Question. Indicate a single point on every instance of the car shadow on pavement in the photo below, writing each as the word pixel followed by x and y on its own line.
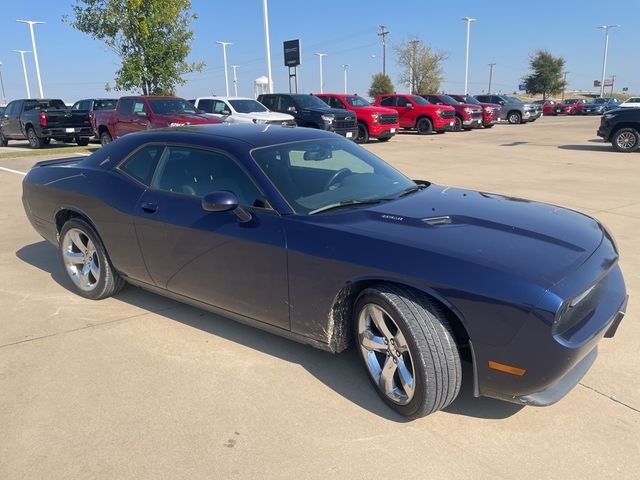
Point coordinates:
pixel 605 147
pixel 342 373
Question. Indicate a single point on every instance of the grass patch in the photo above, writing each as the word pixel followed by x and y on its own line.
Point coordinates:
pixel 47 151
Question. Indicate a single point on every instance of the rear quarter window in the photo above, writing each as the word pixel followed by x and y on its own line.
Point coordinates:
pixel 142 164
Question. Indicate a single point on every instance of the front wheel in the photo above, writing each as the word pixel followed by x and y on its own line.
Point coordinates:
pixel 4 141
pixel 626 140
pixel 86 263
pixel 489 125
pixel 515 118
pixel 408 349
pixel 105 138
pixel 34 140
pixel 82 141
pixel 384 139
pixel 424 126
pixel 457 126
pixel 363 133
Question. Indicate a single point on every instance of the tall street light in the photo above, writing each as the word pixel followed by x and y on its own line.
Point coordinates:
pixel 265 16
pixel 606 48
pixel 491 65
pixel 24 69
pixel 345 66
pixel 466 57
pixel 235 79
pixel 4 97
pixel 224 56
pixel 321 56
pixel 31 23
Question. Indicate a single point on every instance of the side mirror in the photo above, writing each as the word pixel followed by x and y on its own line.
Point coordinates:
pixel 141 114
pixel 226 112
pixel 409 105
pixel 502 102
pixel 221 201
pixel 291 109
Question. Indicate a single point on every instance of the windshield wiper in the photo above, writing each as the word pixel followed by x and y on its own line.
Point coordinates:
pixel 345 203
pixel 406 191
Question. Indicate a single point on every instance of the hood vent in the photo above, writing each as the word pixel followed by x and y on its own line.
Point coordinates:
pixel 436 221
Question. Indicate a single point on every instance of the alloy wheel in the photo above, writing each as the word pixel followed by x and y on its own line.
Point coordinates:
pixel 626 140
pixel 81 260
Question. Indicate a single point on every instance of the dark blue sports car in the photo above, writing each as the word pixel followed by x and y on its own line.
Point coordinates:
pixel 307 235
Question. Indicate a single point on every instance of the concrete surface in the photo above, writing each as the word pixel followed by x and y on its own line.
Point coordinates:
pixel 138 386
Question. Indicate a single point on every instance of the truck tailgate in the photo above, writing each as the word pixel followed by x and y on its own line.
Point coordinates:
pixel 67 118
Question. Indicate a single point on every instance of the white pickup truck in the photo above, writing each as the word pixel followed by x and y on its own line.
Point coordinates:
pixel 241 110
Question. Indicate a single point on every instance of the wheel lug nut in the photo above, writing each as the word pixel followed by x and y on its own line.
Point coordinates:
pixel 395 360
pixel 398 353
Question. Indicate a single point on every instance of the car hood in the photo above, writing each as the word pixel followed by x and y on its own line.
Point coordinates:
pixel 469 105
pixel 533 240
pixel 190 118
pixel 374 109
pixel 268 116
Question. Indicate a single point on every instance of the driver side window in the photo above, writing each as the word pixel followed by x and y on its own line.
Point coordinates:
pixel 220 107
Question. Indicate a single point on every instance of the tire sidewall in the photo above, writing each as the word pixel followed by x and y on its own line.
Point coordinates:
pixel 34 141
pixel 424 126
pixel 514 118
pixel 105 138
pixel 614 140
pixel 363 133
pixel 458 125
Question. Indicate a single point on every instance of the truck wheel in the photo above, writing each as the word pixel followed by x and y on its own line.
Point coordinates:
pixel 82 141
pixel 384 139
pixel 4 141
pixel 626 140
pixel 514 118
pixel 408 348
pixel 424 126
pixel 489 126
pixel 34 140
pixel 457 126
pixel 105 138
pixel 363 133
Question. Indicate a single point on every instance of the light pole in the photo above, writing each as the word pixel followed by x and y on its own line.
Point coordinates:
pixel 321 56
pixel 235 79
pixel 466 57
pixel 383 34
pixel 265 16
pixel 491 65
pixel 24 69
pixel 606 48
pixel 564 87
pixel 4 97
pixel 345 66
pixel 31 23
pixel 224 56
pixel 613 80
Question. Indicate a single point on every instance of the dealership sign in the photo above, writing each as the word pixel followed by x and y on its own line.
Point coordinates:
pixel 292 53
pixel 607 83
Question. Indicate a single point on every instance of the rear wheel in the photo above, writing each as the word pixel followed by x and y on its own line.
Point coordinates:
pixel 424 126
pixel 105 138
pixel 408 349
pixel 4 141
pixel 34 140
pixel 82 141
pixel 514 118
pixel 86 263
pixel 626 140
pixel 363 133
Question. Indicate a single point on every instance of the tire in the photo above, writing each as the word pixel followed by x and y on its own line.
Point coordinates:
pixel 489 126
pixel 4 141
pixel 415 335
pixel 424 126
pixel 457 126
pixel 82 141
pixel 85 261
pixel 363 133
pixel 46 141
pixel 384 139
pixel 514 118
pixel 105 138
pixel 34 140
pixel 626 140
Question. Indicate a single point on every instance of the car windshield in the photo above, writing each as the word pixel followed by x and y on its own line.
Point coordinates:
pixel 571 101
pixel 419 100
pixel 309 101
pixel 357 101
pixel 44 105
pixel 470 99
pixel 106 104
pixel 247 106
pixel 513 99
pixel 448 100
pixel 601 100
pixel 171 106
pixel 327 173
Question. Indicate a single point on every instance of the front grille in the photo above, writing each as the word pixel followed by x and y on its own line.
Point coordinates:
pixel 344 124
pixel 495 110
pixel 448 114
pixel 388 119
pixel 476 114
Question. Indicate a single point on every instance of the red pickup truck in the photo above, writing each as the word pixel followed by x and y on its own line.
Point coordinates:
pixel 415 112
pixel 490 111
pixel 377 122
pixel 133 114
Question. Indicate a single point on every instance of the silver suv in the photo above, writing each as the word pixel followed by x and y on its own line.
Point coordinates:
pixel 513 109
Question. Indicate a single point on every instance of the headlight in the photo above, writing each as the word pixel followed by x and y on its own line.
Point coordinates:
pixel 439 112
pixel 609 116
pixel 375 116
pixel 487 109
pixel 468 110
pixel 259 121
pixel 328 118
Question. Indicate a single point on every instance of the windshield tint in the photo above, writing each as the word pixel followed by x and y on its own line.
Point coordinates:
pixel 309 101
pixel 247 106
pixel 357 101
pixel 44 105
pixel 513 99
pixel 171 106
pixel 107 104
pixel 316 173
pixel 471 100
pixel 448 100
pixel 418 100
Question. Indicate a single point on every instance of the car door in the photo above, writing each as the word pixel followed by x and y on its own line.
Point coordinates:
pixel 213 257
pixel 222 110
pixel 139 119
pixel 11 126
pixel 391 101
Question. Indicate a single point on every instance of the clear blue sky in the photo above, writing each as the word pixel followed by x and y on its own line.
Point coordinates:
pixel 74 66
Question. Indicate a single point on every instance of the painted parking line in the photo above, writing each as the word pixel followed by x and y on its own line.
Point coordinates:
pixel 12 171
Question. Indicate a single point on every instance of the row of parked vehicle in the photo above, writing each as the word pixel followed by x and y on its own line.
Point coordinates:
pixel 580 106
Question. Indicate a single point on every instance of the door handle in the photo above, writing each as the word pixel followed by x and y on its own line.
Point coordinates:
pixel 149 207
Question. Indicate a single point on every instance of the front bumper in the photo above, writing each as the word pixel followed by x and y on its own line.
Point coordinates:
pixel 383 131
pixel 444 125
pixel 472 123
pixel 350 133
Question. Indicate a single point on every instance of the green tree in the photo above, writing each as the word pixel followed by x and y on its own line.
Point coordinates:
pixel 151 37
pixel 421 66
pixel 546 77
pixel 380 84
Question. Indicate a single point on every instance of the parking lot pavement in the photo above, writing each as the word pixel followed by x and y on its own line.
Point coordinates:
pixel 138 386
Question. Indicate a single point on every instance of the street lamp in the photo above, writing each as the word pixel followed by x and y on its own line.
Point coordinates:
pixel 224 56
pixel 466 57
pixel 235 79
pixel 265 16
pixel 606 48
pixel 31 23
pixel 24 69
pixel 321 56
pixel 4 97
pixel 491 65
pixel 345 66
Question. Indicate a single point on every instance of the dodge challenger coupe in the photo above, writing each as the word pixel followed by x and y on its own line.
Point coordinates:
pixel 305 234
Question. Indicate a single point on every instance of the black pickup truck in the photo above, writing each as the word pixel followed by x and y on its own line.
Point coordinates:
pixel 40 120
pixel 621 127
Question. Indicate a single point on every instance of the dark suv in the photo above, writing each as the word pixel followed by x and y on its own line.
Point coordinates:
pixel 310 111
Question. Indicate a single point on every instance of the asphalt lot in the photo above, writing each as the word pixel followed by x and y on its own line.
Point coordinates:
pixel 138 386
